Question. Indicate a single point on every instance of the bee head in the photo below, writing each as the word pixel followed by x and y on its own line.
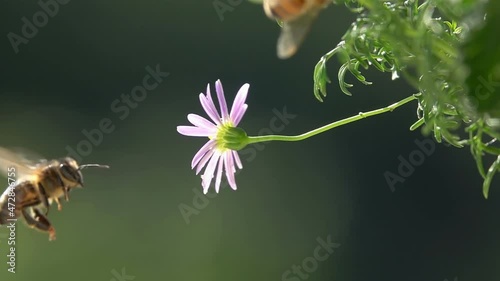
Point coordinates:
pixel 71 171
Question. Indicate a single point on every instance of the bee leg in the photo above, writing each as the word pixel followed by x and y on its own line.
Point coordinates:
pixel 44 199
pixel 45 221
pixel 66 193
pixel 39 222
pixel 59 206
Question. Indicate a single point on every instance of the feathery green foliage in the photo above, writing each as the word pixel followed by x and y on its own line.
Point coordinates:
pixel 447 51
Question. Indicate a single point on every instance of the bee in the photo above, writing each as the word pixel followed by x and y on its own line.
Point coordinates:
pixel 34 186
pixel 297 17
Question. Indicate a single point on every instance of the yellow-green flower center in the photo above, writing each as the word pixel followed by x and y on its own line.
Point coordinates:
pixel 230 137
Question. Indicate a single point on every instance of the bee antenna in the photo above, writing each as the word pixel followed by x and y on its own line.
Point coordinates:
pixel 93 165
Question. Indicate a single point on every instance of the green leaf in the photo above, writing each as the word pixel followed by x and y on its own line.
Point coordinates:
pixel 489 176
pixel 417 124
pixel 437 133
pixel 320 79
pixel 343 85
pixel 320 75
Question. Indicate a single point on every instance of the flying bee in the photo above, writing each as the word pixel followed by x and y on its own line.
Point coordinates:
pixel 297 17
pixel 36 186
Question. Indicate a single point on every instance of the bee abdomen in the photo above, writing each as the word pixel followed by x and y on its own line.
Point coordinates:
pixel 4 215
pixel 287 9
pixel 4 208
pixel 25 195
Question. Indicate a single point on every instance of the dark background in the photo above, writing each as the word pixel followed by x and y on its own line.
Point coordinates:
pixel 435 226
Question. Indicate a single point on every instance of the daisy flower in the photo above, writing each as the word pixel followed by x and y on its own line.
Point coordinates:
pixel 219 154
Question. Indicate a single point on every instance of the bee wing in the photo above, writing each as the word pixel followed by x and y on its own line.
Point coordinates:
pixel 293 33
pixel 23 166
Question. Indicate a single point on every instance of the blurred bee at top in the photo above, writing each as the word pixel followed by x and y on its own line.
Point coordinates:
pixel 297 17
pixel 33 186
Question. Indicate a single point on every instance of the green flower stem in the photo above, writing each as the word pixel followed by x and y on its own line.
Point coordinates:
pixel 335 124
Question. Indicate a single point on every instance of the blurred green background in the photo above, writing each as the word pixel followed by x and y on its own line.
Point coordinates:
pixel 435 225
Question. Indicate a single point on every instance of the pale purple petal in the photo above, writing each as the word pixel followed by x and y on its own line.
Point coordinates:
pixel 239 100
pixel 222 100
pixel 239 114
pixel 219 175
pixel 211 101
pixel 203 150
pixel 237 159
pixel 210 109
pixel 195 131
pixel 209 171
pixel 204 160
pixel 208 95
pixel 202 122
pixel 228 161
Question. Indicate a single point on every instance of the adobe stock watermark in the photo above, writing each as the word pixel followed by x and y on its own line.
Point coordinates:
pixel 48 9
pixel 121 276
pixel 224 6
pixel 310 264
pixel 200 201
pixel 121 108
pixel 424 149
